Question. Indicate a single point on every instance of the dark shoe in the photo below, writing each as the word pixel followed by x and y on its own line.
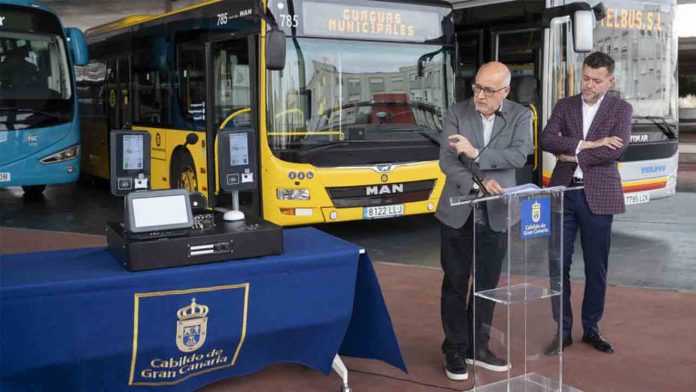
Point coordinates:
pixel 598 342
pixel 455 367
pixel 553 349
pixel 487 360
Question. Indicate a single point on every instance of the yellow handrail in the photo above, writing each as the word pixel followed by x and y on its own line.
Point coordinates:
pixel 233 115
pixel 535 133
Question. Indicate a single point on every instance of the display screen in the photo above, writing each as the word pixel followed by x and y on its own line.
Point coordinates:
pixel 160 211
pixel 133 152
pixel 239 149
pixel 369 22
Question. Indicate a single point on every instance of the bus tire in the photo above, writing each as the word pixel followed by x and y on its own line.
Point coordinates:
pixel 33 191
pixel 182 172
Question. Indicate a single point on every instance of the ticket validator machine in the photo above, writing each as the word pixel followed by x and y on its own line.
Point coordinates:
pixel 237 165
pixel 129 162
pixel 172 227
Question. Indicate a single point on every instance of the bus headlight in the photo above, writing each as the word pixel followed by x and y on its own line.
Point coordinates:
pixel 64 155
pixel 292 194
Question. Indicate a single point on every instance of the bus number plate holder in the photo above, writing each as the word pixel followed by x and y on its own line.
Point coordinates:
pixel 379 212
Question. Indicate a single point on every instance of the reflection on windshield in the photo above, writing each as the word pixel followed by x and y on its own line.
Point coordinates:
pixel 343 92
pixel 35 85
pixel 33 67
pixel 13 119
pixel 639 36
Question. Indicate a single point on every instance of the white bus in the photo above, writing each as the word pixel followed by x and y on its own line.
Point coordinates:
pixel 637 34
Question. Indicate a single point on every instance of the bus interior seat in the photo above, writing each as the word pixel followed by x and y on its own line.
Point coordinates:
pixel 524 90
pixel 462 88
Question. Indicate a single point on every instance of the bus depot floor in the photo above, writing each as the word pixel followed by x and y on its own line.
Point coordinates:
pixel 649 313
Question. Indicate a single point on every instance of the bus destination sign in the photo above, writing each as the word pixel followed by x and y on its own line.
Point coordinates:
pixel 361 22
pixel 628 19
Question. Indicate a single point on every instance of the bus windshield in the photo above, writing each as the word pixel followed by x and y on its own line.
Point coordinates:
pixel 639 36
pixel 35 85
pixel 345 95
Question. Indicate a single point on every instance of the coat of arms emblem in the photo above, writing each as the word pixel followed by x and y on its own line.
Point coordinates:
pixel 192 327
pixel 536 212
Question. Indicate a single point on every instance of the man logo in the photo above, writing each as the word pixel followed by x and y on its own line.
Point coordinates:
pixel 536 212
pixel 192 327
pixel 384 189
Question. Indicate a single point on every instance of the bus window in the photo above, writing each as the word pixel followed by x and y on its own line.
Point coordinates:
pixel 192 83
pixel 232 84
pixel 148 106
pixel 124 91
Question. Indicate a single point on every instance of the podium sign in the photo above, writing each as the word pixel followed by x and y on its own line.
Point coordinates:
pixel 518 289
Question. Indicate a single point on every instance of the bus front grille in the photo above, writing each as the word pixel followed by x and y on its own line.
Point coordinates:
pixel 381 194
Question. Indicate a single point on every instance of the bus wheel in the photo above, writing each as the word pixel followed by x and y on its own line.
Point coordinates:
pixel 182 173
pixel 33 191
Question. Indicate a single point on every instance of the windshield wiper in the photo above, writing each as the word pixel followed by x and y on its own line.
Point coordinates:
pixel 661 124
pixel 326 146
pixel 27 110
pixel 425 132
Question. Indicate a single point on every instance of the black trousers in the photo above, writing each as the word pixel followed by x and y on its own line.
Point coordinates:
pixel 595 239
pixel 457 301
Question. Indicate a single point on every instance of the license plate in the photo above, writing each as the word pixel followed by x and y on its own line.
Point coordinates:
pixel 383 211
pixel 637 198
pixel 5 176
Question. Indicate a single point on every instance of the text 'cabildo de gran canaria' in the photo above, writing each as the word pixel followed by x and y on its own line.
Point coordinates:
pixel 172 368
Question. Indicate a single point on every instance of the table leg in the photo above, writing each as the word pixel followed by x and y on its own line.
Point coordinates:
pixel 342 372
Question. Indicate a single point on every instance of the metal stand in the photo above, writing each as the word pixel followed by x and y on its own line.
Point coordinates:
pixel 340 368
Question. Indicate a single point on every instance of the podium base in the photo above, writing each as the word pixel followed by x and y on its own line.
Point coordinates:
pixel 530 382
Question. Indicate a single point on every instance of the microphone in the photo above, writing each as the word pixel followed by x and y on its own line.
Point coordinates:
pixel 475 171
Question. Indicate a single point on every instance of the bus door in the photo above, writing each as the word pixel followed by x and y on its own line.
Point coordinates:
pixel 470 58
pixel 232 94
pixel 521 51
pixel 117 107
pixel 118 93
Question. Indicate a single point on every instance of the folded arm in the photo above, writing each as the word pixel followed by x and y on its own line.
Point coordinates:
pixel 552 139
pixel 608 153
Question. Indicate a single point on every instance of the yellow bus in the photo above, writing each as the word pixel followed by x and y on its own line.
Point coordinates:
pixel 347 125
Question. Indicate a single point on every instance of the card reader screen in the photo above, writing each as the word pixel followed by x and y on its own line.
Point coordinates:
pixel 239 149
pixel 159 211
pixel 133 152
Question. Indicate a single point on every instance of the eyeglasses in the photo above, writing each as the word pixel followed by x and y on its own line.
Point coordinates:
pixel 487 91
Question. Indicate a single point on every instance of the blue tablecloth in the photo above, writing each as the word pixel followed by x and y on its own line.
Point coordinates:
pixel 76 320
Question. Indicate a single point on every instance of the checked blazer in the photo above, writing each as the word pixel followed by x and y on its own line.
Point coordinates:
pixel 562 134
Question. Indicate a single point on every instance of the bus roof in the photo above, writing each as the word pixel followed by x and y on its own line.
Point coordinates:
pixel 140 19
pixel 137 20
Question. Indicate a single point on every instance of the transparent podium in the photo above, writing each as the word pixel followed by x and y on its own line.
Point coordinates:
pixel 517 286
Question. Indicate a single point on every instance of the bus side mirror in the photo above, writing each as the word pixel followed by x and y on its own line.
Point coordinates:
pixel 78 46
pixel 583 26
pixel 275 49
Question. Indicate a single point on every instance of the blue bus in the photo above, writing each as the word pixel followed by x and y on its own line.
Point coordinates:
pixel 39 122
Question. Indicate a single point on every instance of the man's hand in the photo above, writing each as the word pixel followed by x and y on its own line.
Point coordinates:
pixel 462 146
pixel 613 142
pixel 493 187
pixel 567 158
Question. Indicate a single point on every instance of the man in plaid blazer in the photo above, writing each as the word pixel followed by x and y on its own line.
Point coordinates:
pixel 587 133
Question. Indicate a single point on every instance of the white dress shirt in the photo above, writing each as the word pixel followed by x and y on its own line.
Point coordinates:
pixel 487 128
pixel 487 122
pixel 588 115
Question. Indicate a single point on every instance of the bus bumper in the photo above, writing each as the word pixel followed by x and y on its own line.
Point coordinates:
pixel 31 171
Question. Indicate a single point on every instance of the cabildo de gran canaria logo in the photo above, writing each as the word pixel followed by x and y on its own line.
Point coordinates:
pixel 535 220
pixel 191 327
pixel 184 333
pixel 536 212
